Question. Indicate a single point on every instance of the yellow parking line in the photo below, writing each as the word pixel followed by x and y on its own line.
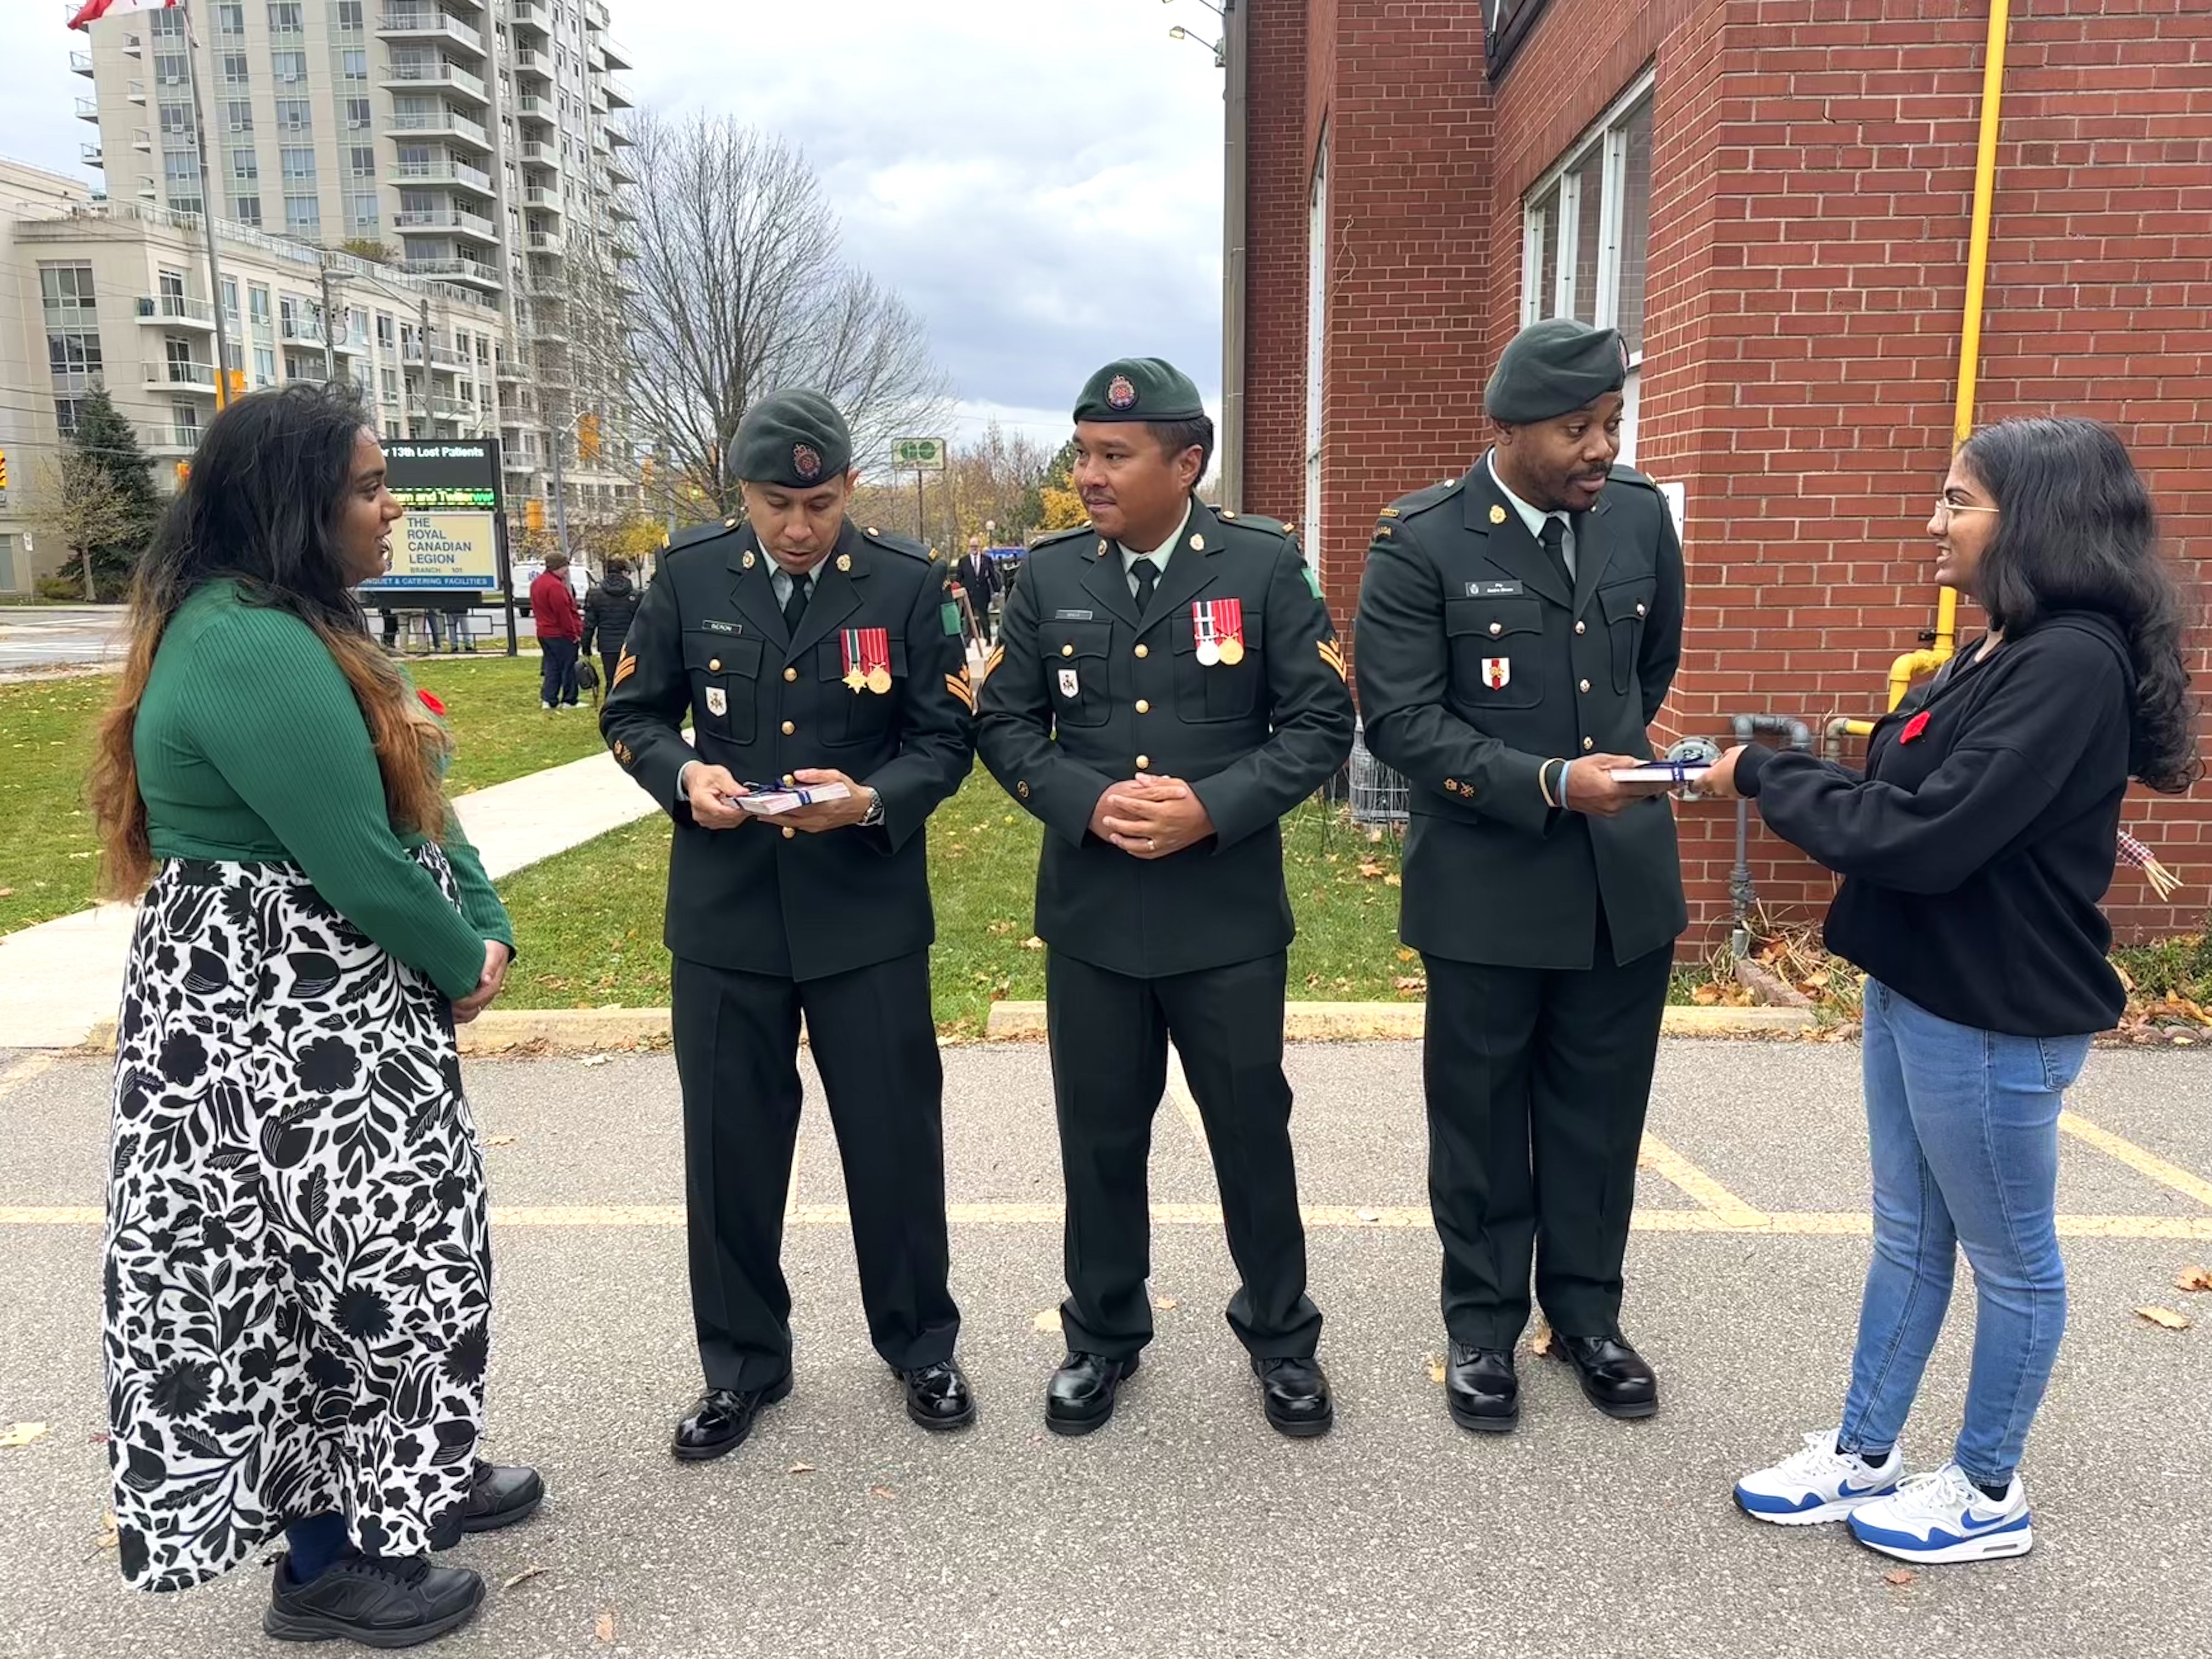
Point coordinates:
pixel 1664 1161
pixel 2142 1162
pixel 1185 1102
pixel 1742 1221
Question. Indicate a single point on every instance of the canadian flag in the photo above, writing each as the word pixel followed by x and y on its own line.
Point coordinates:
pixel 92 10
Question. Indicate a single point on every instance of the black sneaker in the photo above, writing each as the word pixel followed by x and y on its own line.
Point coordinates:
pixel 380 1602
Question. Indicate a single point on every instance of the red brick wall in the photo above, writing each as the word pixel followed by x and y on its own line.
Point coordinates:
pixel 1278 166
pixel 1812 188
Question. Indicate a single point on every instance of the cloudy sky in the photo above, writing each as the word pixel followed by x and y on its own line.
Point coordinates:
pixel 1040 179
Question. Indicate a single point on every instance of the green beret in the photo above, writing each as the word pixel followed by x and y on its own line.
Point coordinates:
pixel 796 438
pixel 1552 368
pixel 1139 389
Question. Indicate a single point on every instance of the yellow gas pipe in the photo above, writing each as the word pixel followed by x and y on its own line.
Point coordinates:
pixel 1914 664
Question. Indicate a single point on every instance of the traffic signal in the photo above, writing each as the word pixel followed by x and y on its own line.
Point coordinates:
pixel 235 378
pixel 3 469
pixel 533 517
pixel 587 438
pixel 184 473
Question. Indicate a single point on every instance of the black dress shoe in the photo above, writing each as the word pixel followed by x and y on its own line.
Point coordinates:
pixel 380 1601
pixel 1482 1390
pixel 1295 1392
pixel 1080 1396
pixel 1614 1375
pixel 938 1396
pixel 723 1419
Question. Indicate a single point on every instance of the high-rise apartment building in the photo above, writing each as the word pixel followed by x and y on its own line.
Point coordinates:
pixel 477 147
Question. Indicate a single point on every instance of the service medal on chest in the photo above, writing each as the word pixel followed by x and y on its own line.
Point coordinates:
pixel 1218 626
pixel 868 653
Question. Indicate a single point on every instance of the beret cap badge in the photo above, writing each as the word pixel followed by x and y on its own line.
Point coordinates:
pixel 806 461
pixel 1121 394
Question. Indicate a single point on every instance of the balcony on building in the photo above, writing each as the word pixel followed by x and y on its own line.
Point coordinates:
pixel 440 123
pixel 88 109
pixel 440 74
pixel 175 310
pixel 133 45
pixel 142 140
pixel 535 65
pixel 169 440
pixel 182 377
pixel 80 64
pixel 428 23
pixel 616 55
pixel 547 241
pixel 530 108
pixel 619 171
pixel 456 220
pixel 445 170
pixel 136 92
pixel 621 211
pixel 618 93
pixel 443 359
pixel 472 272
pixel 545 331
pixel 542 156
pixel 530 17
pixel 543 200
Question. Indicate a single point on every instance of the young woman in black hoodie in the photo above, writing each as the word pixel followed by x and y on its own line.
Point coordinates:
pixel 1975 852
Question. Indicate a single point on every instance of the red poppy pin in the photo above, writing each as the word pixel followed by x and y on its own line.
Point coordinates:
pixel 431 704
pixel 1914 727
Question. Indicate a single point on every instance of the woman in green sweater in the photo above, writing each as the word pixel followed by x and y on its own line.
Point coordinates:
pixel 298 1283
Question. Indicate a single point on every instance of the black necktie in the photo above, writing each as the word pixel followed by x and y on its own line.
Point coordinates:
pixel 1555 547
pixel 1148 578
pixel 794 608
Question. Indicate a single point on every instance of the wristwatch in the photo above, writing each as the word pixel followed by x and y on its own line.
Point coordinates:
pixel 875 810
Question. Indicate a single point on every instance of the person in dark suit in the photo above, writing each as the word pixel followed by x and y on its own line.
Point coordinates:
pixel 1167 686
pixel 978 576
pixel 806 651
pixel 1518 630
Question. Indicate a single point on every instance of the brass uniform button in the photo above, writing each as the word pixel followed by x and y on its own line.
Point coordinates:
pixel 1144 651
pixel 1582 628
pixel 1639 610
pixel 1589 744
pixel 1144 707
pixel 788 728
pixel 790 674
pixel 1496 628
pixel 1144 763
pixel 788 832
pixel 1022 789
pixel 790 780
pixel 1066 650
pixel 714 664
pixel 1585 688
pixel 1451 785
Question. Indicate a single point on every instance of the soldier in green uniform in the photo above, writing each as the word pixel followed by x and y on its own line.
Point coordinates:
pixel 1167 686
pixel 804 651
pixel 1518 629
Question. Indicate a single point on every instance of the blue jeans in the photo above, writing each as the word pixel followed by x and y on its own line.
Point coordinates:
pixel 557 675
pixel 1963 1126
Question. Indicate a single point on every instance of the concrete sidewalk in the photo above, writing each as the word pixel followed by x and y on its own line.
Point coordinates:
pixel 65 976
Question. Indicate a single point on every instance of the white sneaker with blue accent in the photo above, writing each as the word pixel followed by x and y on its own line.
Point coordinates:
pixel 1818 1483
pixel 1944 1516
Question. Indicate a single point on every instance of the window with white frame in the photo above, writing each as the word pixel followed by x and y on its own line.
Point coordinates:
pixel 1316 343
pixel 1586 246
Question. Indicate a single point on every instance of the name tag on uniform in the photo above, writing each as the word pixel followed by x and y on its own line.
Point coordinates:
pixel 714 626
pixel 1494 590
pixel 1074 616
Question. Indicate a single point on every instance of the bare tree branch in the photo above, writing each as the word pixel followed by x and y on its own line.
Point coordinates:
pixel 77 502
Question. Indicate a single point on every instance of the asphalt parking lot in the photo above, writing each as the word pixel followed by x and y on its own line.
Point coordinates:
pixel 1187 1526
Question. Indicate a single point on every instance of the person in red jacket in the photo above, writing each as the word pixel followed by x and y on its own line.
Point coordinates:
pixel 560 632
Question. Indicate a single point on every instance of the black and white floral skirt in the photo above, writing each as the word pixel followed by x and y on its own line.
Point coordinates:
pixel 298 1285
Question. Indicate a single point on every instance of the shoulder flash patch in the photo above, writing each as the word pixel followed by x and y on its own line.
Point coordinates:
pixel 1389 512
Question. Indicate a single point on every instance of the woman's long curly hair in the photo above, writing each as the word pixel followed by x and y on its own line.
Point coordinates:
pixel 2076 531
pixel 262 507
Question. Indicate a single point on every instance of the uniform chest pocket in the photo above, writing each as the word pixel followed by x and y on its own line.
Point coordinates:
pixel 844 715
pixel 1627 607
pixel 725 684
pixel 1496 646
pixel 1073 657
pixel 1224 690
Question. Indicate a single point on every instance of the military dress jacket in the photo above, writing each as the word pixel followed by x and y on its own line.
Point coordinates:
pixel 709 644
pixel 1083 692
pixel 1477 665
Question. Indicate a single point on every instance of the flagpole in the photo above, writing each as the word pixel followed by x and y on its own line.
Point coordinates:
pixel 208 183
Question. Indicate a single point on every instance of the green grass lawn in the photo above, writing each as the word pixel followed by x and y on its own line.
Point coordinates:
pixel 589 924
pixel 47 849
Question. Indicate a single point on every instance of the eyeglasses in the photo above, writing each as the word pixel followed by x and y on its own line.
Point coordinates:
pixel 1945 508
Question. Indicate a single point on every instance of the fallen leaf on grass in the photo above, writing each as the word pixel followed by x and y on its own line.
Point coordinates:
pixel 1407 955
pixel 1369 869
pixel 110 1538
pixel 1048 1321
pixel 524 1576
pixel 1409 985
pixel 1032 943
pixel 885 1492
pixel 1166 1304
pixel 1901 1576
pixel 1393 881
pixel 20 1434
pixel 1435 1371
pixel 2166 1318
pixel 603 1627
pixel 800 1468
pixel 7 892
pixel 500 1140
pixel 2193 1278
pixel 1540 1343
